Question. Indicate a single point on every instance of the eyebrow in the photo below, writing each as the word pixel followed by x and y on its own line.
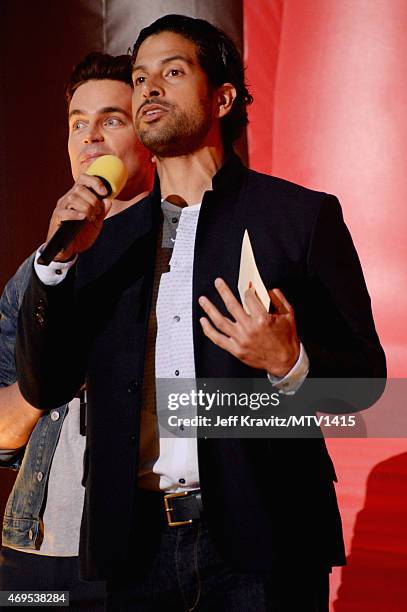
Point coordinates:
pixel 102 111
pixel 183 58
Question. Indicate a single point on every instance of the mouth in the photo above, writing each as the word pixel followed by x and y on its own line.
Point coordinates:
pixel 152 112
pixel 87 159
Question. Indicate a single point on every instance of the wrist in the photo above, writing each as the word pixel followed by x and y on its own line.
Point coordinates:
pixel 287 362
pixel 64 257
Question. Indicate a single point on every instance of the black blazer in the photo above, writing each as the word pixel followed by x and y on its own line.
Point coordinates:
pixel 267 500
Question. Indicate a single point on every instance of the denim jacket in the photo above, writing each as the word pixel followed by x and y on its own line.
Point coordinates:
pixel 21 524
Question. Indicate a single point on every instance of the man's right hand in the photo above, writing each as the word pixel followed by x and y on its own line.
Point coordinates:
pixel 79 204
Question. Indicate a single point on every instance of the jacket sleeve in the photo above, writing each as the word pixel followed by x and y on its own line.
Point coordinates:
pixel 10 302
pixel 346 343
pixel 9 305
pixel 8 323
pixel 49 352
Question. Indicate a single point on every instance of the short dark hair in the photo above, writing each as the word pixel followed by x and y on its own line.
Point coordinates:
pixel 218 57
pixel 98 66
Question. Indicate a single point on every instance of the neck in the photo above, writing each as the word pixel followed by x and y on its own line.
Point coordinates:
pixel 136 189
pixel 187 177
pixel 120 205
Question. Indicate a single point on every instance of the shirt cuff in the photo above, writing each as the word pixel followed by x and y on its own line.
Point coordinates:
pixel 55 272
pixel 293 380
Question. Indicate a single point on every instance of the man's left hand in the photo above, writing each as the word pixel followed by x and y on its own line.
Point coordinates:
pixel 259 339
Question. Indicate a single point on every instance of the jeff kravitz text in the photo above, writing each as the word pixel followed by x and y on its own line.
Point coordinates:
pixel 235 420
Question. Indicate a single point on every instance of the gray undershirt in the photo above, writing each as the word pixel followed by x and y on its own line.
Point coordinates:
pixel 64 502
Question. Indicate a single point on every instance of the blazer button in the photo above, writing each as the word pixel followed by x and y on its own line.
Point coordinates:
pixel 133 386
pixel 40 476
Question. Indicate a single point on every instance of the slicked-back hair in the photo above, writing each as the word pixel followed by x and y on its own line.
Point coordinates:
pixel 98 66
pixel 218 57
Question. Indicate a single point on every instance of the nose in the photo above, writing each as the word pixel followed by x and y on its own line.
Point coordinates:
pixel 152 87
pixel 93 134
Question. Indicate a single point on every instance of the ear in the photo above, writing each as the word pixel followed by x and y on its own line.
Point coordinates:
pixel 225 97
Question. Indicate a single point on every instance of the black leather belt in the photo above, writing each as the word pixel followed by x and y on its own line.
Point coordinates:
pixel 183 508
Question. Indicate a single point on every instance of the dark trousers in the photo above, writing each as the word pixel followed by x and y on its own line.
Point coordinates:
pixel 179 569
pixel 32 572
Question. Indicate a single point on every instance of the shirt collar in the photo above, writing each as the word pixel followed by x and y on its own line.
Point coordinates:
pixel 228 178
pixel 231 175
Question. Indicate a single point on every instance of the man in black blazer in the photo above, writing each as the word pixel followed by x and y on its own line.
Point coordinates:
pixel 257 525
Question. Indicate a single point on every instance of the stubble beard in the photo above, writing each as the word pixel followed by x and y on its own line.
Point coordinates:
pixel 181 133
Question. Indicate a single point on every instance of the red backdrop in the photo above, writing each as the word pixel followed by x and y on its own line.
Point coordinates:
pixel 328 78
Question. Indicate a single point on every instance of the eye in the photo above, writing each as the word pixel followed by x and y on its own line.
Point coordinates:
pixel 139 80
pixel 77 125
pixel 174 72
pixel 113 122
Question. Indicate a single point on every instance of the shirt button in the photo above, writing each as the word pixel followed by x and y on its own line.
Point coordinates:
pixel 177 318
pixel 174 220
pixel 176 372
pixel 30 534
pixel 40 476
pixel 58 271
pixel 181 481
pixel 54 415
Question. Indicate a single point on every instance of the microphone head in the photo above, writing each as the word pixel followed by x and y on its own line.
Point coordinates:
pixel 111 169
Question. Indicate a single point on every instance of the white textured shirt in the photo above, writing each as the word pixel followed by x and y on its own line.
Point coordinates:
pixel 177 464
